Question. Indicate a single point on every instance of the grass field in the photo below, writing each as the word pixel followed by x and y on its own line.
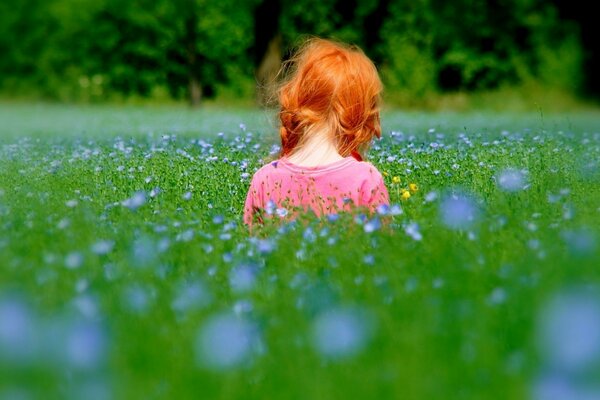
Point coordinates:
pixel 125 270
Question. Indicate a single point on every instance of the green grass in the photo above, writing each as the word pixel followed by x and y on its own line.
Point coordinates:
pixel 456 314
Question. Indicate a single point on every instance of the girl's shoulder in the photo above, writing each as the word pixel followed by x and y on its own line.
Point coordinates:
pixel 365 167
pixel 270 167
pixel 266 170
pixel 349 167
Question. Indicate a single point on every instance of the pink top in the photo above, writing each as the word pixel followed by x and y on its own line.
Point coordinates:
pixel 281 186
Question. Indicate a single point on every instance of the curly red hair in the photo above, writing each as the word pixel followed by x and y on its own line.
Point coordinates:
pixel 330 86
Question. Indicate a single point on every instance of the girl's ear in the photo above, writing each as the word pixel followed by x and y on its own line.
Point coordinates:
pixel 356 155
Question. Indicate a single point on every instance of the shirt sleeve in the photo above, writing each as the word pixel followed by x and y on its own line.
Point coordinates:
pixel 374 192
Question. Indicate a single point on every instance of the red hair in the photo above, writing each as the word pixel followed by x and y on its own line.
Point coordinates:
pixel 331 86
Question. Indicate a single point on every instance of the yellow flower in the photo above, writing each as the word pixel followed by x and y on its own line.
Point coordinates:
pixel 413 188
pixel 405 194
pixel 396 179
pixel 385 173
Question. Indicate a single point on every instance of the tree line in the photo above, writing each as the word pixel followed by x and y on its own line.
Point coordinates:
pixel 97 50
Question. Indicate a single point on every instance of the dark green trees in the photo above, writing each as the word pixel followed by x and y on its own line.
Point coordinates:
pixel 96 50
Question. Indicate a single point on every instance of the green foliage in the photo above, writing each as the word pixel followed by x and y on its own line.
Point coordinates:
pixel 224 31
pixel 26 39
pixel 341 20
pixel 560 65
pixel 122 49
pixel 95 50
pixel 454 314
pixel 409 67
pixel 409 73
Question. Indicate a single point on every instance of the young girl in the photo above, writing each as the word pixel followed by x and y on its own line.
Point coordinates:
pixel 329 113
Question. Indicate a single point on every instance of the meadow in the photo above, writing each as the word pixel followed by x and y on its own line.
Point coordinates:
pixel 126 271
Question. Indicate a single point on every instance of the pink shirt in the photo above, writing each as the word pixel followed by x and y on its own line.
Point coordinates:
pixel 281 186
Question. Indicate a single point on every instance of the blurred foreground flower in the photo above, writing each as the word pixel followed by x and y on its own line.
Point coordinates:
pixel 16 331
pixel 226 341
pixel 413 231
pixel 342 332
pixel 243 277
pixel 581 242
pixel 458 211
pixel 512 180
pixel 569 330
pixel 59 341
pixel 137 200
pixel 569 342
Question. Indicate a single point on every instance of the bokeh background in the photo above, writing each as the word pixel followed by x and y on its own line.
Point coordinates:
pixel 126 271
pixel 431 53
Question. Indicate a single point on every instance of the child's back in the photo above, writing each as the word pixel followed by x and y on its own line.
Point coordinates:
pixel 326 189
pixel 329 114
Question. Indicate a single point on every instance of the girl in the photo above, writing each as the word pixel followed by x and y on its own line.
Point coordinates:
pixel 329 113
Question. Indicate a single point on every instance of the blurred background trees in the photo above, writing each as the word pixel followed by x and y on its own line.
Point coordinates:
pixel 108 50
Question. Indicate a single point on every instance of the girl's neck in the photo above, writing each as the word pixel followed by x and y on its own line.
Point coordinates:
pixel 317 150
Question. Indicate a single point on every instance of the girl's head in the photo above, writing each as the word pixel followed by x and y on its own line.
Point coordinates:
pixel 332 88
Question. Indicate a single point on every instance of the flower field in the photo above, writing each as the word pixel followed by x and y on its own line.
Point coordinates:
pixel 126 271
